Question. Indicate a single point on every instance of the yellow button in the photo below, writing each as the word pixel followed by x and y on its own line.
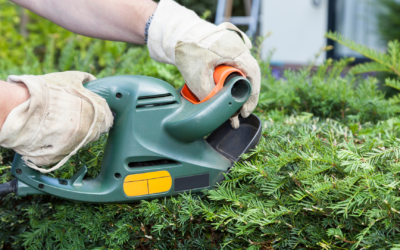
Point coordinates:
pixel 136 188
pixel 147 183
pixel 159 185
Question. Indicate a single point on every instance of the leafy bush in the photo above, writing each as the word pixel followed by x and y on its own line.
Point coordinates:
pixel 326 94
pixel 324 176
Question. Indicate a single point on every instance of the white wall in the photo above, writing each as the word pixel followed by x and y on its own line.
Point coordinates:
pixel 298 28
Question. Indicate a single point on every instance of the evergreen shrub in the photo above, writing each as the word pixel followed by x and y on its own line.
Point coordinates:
pixel 324 176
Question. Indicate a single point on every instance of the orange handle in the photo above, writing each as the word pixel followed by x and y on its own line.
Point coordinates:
pixel 221 72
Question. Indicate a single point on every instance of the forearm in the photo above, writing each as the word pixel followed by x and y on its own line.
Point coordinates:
pixel 116 20
pixel 11 96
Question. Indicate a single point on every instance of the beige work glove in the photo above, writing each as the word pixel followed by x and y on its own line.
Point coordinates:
pixel 60 117
pixel 178 36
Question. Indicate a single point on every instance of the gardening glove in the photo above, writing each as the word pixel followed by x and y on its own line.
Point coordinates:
pixel 60 117
pixel 178 36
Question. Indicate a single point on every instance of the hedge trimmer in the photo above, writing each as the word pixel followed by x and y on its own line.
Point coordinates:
pixel 164 142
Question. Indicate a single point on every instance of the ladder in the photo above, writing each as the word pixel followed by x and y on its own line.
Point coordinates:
pixel 252 8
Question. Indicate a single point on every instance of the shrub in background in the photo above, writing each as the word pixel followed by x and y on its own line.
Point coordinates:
pixel 381 62
pixel 50 48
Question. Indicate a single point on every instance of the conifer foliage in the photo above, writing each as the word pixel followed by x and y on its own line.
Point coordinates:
pixel 309 184
pixel 381 62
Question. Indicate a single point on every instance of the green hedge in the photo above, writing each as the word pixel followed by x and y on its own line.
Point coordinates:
pixel 324 176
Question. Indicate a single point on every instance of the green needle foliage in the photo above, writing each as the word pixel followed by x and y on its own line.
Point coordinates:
pixel 324 176
pixel 386 62
pixel 381 62
pixel 309 184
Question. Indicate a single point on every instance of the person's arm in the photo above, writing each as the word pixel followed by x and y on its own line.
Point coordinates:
pixel 11 96
pixel 122 20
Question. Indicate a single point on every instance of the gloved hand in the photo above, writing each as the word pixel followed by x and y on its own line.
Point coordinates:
pixel 60 117
pixel 178 36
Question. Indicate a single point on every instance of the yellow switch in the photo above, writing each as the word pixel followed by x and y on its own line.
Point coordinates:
pixel 147 183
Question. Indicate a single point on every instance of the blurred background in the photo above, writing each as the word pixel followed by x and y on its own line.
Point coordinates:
pixel 297 27
pixel 293 31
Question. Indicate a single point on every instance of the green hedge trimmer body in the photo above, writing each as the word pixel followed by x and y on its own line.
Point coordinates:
pixel 157 146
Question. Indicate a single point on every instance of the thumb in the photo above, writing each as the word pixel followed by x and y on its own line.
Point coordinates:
pixel 235 121
pixel 249 106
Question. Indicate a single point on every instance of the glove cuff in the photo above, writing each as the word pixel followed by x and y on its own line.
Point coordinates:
pixel 21 125
pixel 54 120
